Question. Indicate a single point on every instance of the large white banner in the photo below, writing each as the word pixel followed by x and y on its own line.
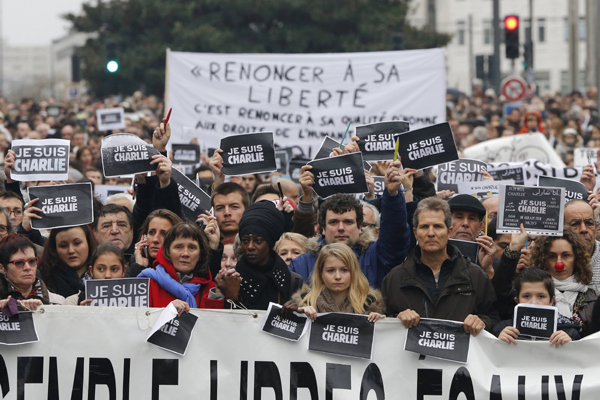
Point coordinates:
pixel 101 353
pixel 301 97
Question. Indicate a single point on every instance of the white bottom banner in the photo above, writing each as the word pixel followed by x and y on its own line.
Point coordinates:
pixel 101 353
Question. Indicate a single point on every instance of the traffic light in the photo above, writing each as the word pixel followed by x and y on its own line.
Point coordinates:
pixel 511 36
pixel 112 63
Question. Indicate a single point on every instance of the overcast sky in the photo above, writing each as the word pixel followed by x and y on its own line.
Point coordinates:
pixel 35 22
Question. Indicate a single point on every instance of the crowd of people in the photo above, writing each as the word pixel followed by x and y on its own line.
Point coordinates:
pixel 272 240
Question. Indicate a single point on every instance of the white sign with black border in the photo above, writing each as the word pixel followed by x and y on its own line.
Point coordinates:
pixel 573 190
pixel 105 191
pixel 482 189
pixel 186 154
pixel 535 321
pixel 439 338
pixel 41 160
pixel 583 156
pixel 291 327
pixel 18 329
pixel 110 118
pixel 540 209
pixel 62 205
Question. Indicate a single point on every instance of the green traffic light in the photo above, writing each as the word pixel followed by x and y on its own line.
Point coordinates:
pixel 112 66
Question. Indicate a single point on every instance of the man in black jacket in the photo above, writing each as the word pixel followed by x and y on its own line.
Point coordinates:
pixel 436 281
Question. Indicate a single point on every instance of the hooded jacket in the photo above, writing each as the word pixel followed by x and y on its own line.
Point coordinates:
pixel 539 122
pixel 376 257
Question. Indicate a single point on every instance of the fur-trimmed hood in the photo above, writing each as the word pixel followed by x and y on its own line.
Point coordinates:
pixel 374 302
pixel 366 238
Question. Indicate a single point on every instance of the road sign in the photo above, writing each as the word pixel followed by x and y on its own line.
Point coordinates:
pixel 514 88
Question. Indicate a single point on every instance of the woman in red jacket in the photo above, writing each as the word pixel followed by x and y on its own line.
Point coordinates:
pixel 181 271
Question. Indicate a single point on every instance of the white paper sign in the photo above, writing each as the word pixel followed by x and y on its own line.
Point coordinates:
pixel 110 118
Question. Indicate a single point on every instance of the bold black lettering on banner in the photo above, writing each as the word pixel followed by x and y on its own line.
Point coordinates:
pixel 29 370
pixel 266 375
pixel 243 380
pixel 378 141
pixel 342 174
pixel 429 383
pixel 463 170
pixel 521 388
pixel 53 380
pixel 496 388
pixel 372 380
pixel 77 392
pixel 164 372
pixel 214 380
pixel 338 376
pixel 63 205
pixel 101 373
pixel 560 389
pixel 302 375
pixel 126 378
pixel 248 154
pixel 4 382
pixel 461 383
pixel 427 146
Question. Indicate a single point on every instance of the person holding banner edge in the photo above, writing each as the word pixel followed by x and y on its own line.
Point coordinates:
pixel 436 281
pixel 340 220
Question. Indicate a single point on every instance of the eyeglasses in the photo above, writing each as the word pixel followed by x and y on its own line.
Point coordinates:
pixel 367 225
pixel 576 223
pixel 15 212
pixel 21 263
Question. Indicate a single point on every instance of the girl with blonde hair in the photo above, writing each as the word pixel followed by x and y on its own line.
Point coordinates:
pixel 338 285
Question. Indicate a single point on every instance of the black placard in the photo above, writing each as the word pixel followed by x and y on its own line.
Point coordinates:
pixel 326 148
pixel 573 190
pixel 282 161
pixel 439 338
pixel 127 292
pixel 248 154
pixel 463 170
pixel 296 165
pixel 18 329
pixel 535 321
pixel 126 154
pixel 289 327
pixel 540 209
pixel 41 160
pixel 342 334
pixel 504 174
pixel 186 154
pixel 62 205
pixel 379 185
pixel 342 174
pixel 427 146
pixel 194 201
pixel 175 335
pixel 378 141
pixel 467 248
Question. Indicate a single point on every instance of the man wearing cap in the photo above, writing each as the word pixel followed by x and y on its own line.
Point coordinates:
pixel 467 223
pixel 265 277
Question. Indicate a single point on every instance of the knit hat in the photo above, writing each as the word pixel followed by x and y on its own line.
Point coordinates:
pixel 467 203
pixel 262 219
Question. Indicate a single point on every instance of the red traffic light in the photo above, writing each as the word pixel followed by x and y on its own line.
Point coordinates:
pixel 511 23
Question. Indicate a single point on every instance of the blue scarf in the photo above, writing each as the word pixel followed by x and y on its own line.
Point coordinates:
pixel 185 292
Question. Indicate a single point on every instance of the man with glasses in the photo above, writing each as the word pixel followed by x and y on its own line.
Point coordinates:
pixel 14 206
pixel 579 219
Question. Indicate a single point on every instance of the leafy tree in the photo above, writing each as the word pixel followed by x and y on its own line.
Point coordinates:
pixel 144 29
